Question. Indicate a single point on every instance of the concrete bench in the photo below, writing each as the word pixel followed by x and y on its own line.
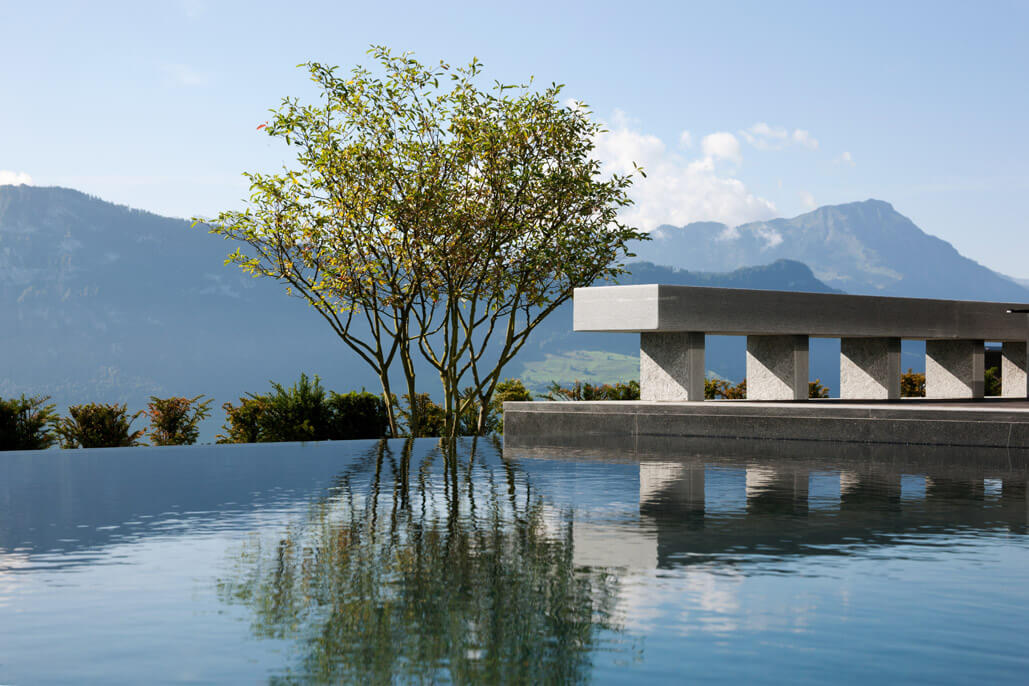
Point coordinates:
pixel 673 320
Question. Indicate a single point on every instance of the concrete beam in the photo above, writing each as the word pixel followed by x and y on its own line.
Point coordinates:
pixel 870 368
pixel 954 369
pixel 1012 370
pixel 671 366
pixel 777 367
pixel 737 311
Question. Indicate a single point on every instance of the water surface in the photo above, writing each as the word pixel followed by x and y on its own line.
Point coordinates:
pixel 401 561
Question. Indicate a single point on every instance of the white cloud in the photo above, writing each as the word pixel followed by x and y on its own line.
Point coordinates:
pixel 184 75
pixel 770 236
pixel 808 200
pixel 678 189
pixel 721 145
pixel 11 178
pixel 845 159
pixel 686 139
pixel 802 137
pixel 765 137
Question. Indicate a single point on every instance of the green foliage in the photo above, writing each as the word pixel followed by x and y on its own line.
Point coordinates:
pixel 243 421
pixel 173 421
pixel 298 413
pixel 473 423
pixel 912 384
pixel 815 389
pixel 26 423
pixel 97 425
pixel 356 415
pixel 720 388
pixel 448 218
pixel 432 419
pixel 586 391
pixel 992 381
pixel 304 412
pixel 590 366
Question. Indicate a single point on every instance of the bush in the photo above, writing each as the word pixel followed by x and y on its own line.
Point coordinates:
pixel 720 388
pixel 357 415
pixel 992 381
pixel 912 385
pixel 815 389
pixel 243 423
pixel 432 419
pixel 587 391
pixel 304 412
pixel 173 421
pixel 98 425
pixel 27 423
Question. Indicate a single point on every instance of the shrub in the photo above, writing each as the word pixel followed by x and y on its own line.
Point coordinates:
pixel 432 419
pixel 587 391
pixel 992 381
pixel 26 423
pixel 815 389
pixel 356 415
pixel 98 425
pixel 912 384
pixel 304 412
pixel 173 421
pixel 243 423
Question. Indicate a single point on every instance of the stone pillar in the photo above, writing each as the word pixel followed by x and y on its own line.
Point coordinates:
pixel 954 369
pixel 777 367
pixel 1012 370
pixel 870 368
pixel 672 366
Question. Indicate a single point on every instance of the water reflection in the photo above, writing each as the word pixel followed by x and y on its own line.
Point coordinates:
pixel 427 566
pixel 404 561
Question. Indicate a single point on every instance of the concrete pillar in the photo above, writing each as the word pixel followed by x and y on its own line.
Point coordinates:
pixel 672 366
pixel 1012 370
pixel 870 368
pixel 954 369
pixel 777 367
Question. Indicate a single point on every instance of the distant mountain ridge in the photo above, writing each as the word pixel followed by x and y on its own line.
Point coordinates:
pixel 860 247
pixel 100 302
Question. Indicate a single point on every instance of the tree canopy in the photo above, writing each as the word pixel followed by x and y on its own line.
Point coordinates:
pixel 426 215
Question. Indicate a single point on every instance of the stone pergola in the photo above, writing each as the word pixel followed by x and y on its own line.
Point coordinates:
pixel 672 322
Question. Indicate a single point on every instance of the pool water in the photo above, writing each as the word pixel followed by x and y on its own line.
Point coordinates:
pixel 402 561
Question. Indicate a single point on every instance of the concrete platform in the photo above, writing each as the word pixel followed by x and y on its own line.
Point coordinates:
pixel 991 428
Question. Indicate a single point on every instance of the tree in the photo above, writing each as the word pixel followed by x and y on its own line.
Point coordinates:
pixel 447 219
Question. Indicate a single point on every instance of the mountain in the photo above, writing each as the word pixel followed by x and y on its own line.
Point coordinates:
pixel 100 302
pixel 861 247
pixel 104 303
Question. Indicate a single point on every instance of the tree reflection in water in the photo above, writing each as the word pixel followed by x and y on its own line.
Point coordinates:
pixel 428 567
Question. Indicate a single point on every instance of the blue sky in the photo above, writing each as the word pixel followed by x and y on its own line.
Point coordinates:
pixel 787 105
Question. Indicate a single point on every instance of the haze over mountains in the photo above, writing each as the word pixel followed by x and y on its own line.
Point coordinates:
pixel 861 247
pixel 106 303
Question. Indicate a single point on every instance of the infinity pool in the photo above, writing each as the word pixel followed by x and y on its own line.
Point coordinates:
pixel 366 562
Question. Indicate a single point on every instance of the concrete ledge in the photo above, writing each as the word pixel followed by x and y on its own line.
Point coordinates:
pixel 720 426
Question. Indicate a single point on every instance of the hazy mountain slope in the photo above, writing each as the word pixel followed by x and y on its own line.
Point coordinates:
pixel 861 247
pixel 102 302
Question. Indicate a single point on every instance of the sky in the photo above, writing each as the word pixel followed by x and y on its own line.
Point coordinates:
pixel 738 111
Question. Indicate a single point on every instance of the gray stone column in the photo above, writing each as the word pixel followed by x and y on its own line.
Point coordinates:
pixel 777 367
pixel 1012 370
pixel 672 366
pixel 954 369
pixel 870 368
